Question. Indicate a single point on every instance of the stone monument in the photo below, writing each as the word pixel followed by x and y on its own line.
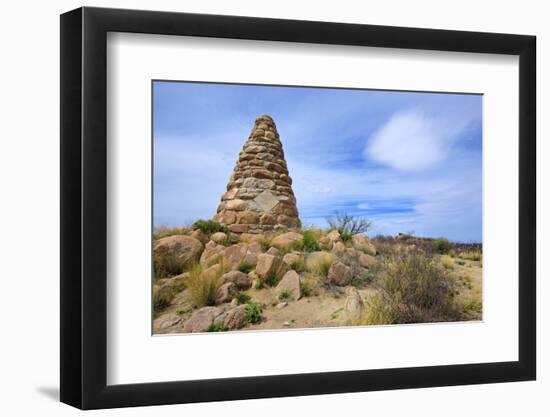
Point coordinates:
pixel 259 194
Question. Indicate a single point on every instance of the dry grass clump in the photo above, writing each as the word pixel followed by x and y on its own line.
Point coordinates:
pixel 166 265
pixel 309 286
pixel 320 265
pixel 204 283
pixel 447 262
pixel 164 231
pixel 470 255
pixel 412 288
pixel 299 265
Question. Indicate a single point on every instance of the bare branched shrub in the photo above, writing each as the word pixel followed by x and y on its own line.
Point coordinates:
pixel 348 225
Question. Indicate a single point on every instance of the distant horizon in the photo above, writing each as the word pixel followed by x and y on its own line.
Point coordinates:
pixel 407 161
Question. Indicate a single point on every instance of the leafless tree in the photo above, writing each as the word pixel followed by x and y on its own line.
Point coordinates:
pixel 349 224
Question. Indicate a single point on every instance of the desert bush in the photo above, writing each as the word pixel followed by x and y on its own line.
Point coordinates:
pixel 209 226
pixel 320 266
pixel 203 286
pixel 310 241
pixel 253 312
pixel 242 298
pixel 348 225
pixel 164 231
pixel 285 296
pixel 442 246
pixel 308 287
pixel 217 327
pixel 166 265
pixel 413 288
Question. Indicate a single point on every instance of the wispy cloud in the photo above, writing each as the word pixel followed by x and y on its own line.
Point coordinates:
pixel 413 141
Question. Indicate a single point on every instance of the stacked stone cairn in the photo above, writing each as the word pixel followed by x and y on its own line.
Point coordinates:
pixel 259 196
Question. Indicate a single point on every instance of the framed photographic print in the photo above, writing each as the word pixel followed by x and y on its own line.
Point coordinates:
pixel 291 208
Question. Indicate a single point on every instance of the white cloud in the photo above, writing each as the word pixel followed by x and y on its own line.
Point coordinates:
pixel 414 141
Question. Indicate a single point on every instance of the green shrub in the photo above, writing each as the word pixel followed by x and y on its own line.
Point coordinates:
pixel 285 296
pixel 245 267
pixel 209 226
pixel 310 241
pixel 442 246
pixel 308 287
pixel 217 327
pixel 253 312
pixel 242 298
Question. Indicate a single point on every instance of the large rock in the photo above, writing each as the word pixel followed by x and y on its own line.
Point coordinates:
pixel 268 266
pixel 339 274
pixel 291 258
pixel 219 237
pixel 166 320
pixel 202 319
pixel 290 284
pixel 334 236
pixel 235 318
pixel 233 255
pixel 366 261
pixel 184 250
pixel 353 306
pixel 212 254
pixel 363 244
pixel 226 293
pixel 288 241
pixel 325 243
pixel 240 279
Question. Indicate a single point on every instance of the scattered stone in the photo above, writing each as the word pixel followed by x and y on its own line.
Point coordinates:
pixel 363 244
pixel 226 293
pixel 290 283
pixel 353 306
pixel 202 319
pixel 240 279
pixel 286 324
pixel 281 305
pixel 219 237
pixel 339 274
pixel 287 240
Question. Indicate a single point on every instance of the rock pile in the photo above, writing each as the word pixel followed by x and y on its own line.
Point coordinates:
pixel 259 194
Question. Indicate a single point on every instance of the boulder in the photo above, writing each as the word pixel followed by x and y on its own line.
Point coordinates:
pixel 235 205
pixel 274 251
pixel 366 261
pixel 240 279
pixel 235 318
pixel 287 241
pixel 219 237
pixel 291 258
pixel 166 320
pixel 363 244
pixel 234 255
pixel 325 243
pixel 268 265
pixel 226 293
pixel 353 306
pixel 162 296
pixel 212 254
pixel 202 319
pixel 334 236
pixel 339 274
pixel 183 249
pixel 290 283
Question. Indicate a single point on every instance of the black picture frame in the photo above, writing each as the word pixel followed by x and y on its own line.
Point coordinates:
pixel 84 207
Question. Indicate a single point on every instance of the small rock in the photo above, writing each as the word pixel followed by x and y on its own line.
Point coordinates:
pixel 353 306
pixel 274 251
pixel 291 258
pixel 366 261
pixel 363 244
pixel 339 274
pixel 281 305
pixel 286 324
pixel 166 320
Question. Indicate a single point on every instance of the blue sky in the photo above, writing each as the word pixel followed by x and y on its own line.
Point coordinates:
pixel 408 161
